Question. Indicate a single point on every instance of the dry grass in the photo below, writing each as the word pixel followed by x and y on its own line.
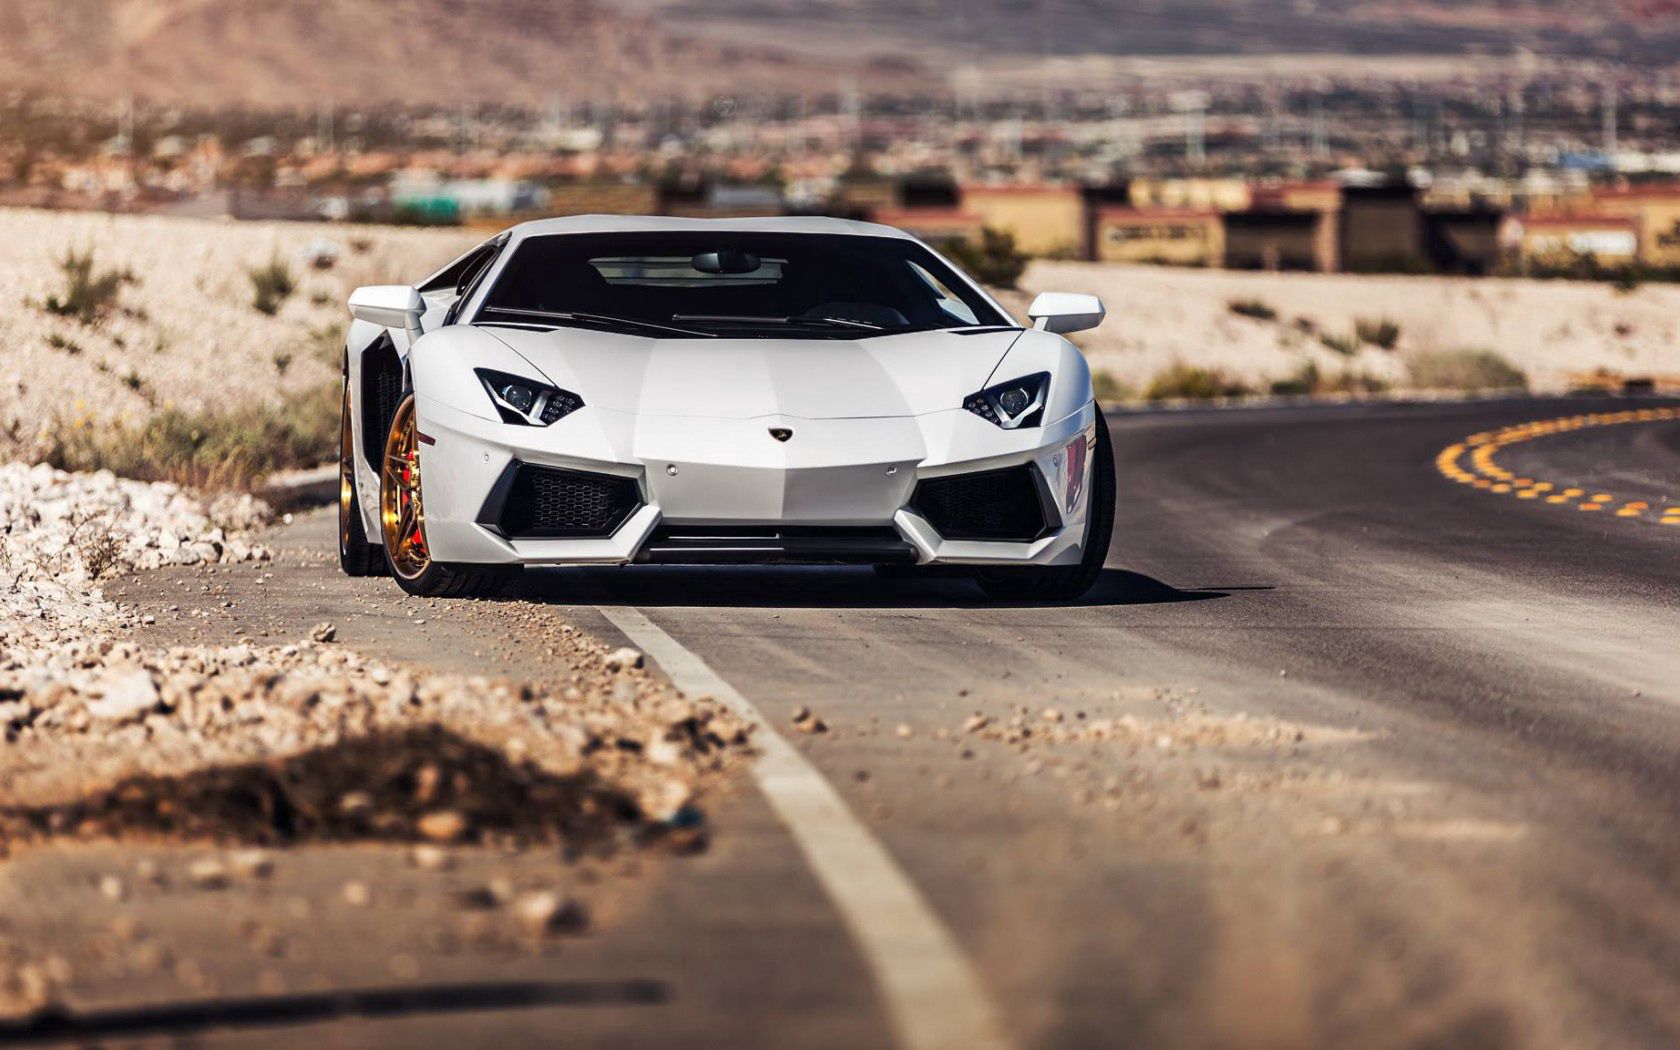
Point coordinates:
pixel 185 340
pixel 1549 330
pixel 205 450
pixel 1193 383
pixel 1467 370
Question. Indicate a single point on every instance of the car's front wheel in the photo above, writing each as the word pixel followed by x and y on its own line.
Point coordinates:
pixel 1065 583
pixel 402 519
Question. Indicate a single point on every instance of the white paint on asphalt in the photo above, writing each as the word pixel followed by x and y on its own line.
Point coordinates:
pixel 932 995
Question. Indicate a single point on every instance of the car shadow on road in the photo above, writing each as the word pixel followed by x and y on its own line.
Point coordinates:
pixel 816 587
pixel 186 1019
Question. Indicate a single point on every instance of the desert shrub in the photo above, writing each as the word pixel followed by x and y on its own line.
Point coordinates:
pixel 217 449
pixel 1379 332
pixel 994 261
pixel 96 543
pixel 1109 388
pixel 1192 382
pixel 1464 370
pixel 88 295
pixel 1346 345
pixel 271 285
pixel 1258 309
pixel 1310 379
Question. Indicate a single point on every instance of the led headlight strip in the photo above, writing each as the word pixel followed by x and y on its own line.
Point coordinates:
pixel 1015 404
pixel 526 402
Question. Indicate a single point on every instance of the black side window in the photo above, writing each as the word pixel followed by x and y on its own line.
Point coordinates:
pixel 471 275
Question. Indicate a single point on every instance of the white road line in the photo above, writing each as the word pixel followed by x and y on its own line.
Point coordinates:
pixel 931 994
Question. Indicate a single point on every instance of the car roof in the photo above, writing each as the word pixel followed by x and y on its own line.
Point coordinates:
pixel 671 224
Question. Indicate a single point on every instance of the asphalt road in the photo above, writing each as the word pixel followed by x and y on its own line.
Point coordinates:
pixel 1392 761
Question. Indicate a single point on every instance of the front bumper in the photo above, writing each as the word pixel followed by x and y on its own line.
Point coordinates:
pixel 724 490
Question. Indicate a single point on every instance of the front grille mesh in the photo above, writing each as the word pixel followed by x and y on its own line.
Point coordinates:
pixel 991 505
pixel 548 502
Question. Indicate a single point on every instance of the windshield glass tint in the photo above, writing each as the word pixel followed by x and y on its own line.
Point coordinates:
pixel 740 285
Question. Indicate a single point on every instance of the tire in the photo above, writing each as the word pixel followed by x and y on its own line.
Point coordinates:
pixel 356 556
pixel 402 523
pixel 1066 583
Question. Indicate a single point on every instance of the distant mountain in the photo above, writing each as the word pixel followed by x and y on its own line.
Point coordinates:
pixel 217 53
pixel 299 52
pixel 962 29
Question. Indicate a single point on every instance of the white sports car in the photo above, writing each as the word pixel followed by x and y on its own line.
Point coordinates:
pixel 604 390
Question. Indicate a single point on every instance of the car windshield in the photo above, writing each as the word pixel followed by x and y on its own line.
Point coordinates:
pixel 706 285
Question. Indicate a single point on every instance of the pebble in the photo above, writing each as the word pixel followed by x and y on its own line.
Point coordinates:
pixel 112 888
pixel 208 874
pixel 427 857
pixel 443 825
pixel 546 911
pixel 251 864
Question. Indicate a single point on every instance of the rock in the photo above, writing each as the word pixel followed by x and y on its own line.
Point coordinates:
pixel 443 825
pixel 806 721
pixel 974 723
pixel 357 894
pixel 112 888
pixel 546 911
pixel 904 731
pixel 126 696
pixel 355 803
pixel 623 659
pixel 208 874
pixel 427 857
pixel 251 864
pixel 323 632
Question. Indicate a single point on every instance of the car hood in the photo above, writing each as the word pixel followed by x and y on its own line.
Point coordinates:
pixel 895 375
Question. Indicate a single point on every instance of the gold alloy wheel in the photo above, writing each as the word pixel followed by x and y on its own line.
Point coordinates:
pixel 401 517
pixel 346 474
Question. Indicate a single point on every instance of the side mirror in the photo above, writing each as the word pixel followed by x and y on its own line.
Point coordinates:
pixel 388 306
pixel 1066 312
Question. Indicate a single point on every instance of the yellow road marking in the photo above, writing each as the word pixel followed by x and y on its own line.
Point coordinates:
pixel 1473 461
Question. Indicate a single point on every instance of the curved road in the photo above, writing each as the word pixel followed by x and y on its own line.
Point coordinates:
pixel 1352 753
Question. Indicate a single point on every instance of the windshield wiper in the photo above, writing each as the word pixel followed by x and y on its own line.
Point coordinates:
pixel 746 319
pixel 601 319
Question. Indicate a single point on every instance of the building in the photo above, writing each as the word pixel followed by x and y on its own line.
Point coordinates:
pixel 936 225
pixel 1655 213
pixel 1464 240
pixel 1383 230
pixel 1044 219
pixel 1178 237
pixel 1563 242
pixel 1281 239
pixel 1191 194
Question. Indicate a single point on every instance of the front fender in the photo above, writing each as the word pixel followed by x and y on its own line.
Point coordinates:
pixel 441 368
pixel 1070 373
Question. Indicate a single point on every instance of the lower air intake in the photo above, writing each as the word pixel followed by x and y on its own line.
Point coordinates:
pixel 1003 504
pixel 543 502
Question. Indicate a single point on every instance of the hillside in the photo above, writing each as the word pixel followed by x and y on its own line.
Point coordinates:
pixel 300 52
pixel 961 30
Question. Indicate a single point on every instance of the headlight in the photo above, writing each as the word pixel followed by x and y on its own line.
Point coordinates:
pixel 526 402
pixel 1015 404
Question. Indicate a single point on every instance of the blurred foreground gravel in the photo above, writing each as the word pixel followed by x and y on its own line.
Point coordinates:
pixel 286 745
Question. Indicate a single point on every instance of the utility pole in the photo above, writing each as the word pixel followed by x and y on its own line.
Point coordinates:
pixel 1610 143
